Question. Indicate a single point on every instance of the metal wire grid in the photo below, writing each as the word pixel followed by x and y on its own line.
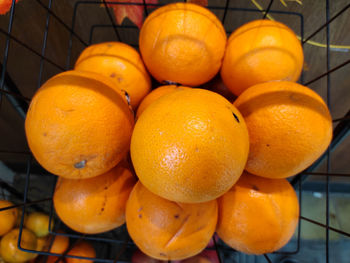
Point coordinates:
pixel 20 103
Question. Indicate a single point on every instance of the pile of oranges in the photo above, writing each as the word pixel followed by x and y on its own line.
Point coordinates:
pixel 34 236
pixel 203 164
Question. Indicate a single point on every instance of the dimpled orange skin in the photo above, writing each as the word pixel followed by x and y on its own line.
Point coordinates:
pixel 156 94
pixel 8 217
pixel 260 51
pixel 97 204
pixel 183 43
pixel 78 125
pixel 122 64
pixel 258 215
pixel 289 128
pixel 167 230
pixel 9 250
pixel 190 146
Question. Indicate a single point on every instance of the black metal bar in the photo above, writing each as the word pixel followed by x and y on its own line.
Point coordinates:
pixel 122 250
pixel 30 49
pixel 267 258
pixel 225 11
pixel 7 45
pixel 103 26
pixel 28 203
pixel 340 132
pixel 330 109
pixel 325 226
pixel 25 200
pixel 328 72
pixel 18 195
pixel 327 174
pixel 217 249
pixel 5 59
pixel 268 9
pixel 327 23
pixel 112 21
pixel 145 8
pixel 341 119
pixel 62 23
pixel 14 94
pixel 41 67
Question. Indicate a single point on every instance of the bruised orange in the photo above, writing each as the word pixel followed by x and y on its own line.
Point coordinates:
pixel 119 62
pixel 168 230
pixel 289 127
pixel 260 51
pixel 183 43
pixel 78 125
pixel 8 217
pixel 258 215
pixel 94 205
pixel 156 94
pixel 189 146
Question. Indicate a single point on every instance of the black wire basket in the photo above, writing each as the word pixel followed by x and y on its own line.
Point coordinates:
pixel 116 246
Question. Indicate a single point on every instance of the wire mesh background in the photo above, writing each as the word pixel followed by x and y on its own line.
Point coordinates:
pixel 116 245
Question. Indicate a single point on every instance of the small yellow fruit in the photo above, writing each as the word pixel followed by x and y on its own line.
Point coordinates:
pixel 38 223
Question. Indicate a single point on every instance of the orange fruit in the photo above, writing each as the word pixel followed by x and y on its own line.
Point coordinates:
pixel 190 146
pixel 9 250
pixel 78 125
pixel 97 204
pixel 258 215
pixel 122 64
pixel 38 223
pixel 183 43
pixel 156 94
pixel 59 244
pixel 41 243
pixel 167 230
pixel 260 51
pixel 289 127
pixel 81 249
pixel 8 217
